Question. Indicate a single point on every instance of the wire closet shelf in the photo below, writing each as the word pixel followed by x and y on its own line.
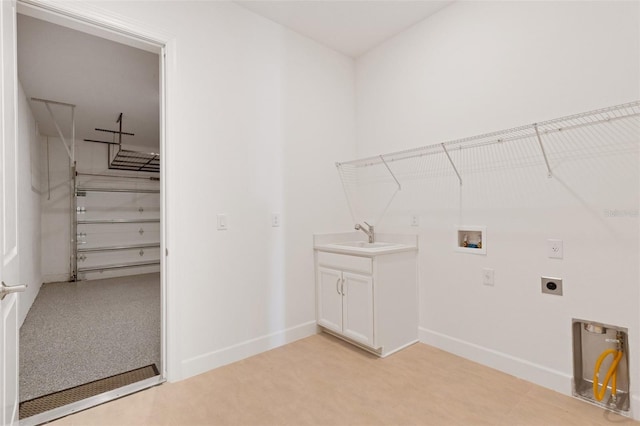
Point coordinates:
pixel 607 131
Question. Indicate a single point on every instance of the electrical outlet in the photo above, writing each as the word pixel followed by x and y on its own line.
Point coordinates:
pixel 487 276
pixel 415 220
pixel 554 249
pixel 551 285
pixel 223 224
pixel 275 220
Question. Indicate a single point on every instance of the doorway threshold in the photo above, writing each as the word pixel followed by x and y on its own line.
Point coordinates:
pixel 81 405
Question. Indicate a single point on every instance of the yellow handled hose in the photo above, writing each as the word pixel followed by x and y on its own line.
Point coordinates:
pixel 612 374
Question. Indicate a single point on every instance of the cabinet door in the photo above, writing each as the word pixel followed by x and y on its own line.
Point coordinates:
pixel 357 308
pixel 330 299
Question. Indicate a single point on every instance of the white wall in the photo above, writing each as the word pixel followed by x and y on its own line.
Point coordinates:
pixel 29 187
pixel 55 215
pixel 257 117
pixel 477 67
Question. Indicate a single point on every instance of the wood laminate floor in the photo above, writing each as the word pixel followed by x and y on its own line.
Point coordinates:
pixel 322 381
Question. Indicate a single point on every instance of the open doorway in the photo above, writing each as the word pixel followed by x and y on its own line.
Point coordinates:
pixel 90 113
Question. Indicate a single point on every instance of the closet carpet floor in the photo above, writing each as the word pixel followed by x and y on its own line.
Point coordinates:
pixel 79 332
pixel 321 380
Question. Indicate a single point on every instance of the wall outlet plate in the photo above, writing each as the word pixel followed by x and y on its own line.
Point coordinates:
pixel 275 220
pixel 551 285
pixel 554 249
pixel 487 276
pixel 415 220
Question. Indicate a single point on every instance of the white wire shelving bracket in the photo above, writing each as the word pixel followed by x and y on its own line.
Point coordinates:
pixel 69 146
pixel 544 153
pixel 391 173
pixel 619 124
pixel 455 169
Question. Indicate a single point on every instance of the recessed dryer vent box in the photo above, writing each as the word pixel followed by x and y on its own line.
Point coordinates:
pixel 593 341
pixel 471 239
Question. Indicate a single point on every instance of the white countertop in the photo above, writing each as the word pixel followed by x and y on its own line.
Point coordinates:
pixel 334 243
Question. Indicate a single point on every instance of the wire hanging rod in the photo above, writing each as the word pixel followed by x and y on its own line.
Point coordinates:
pixel 585 119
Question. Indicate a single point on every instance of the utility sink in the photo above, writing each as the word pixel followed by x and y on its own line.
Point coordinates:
pixel 365 244
pixel 364 247
pixel 352 243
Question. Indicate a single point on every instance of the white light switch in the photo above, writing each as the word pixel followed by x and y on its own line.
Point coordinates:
pixel 275 220
pixel 223 224
pixel 487 276
pixel 554 249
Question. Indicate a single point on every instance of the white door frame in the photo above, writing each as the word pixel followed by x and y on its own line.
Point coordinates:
pixel 9 216
pixel 88 18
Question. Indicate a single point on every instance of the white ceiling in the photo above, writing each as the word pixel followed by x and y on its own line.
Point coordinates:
pixel 101 77
pixel 350 27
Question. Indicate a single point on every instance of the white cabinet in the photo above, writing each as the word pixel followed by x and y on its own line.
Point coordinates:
pixel 345 304
pixel 370 301
pixel 329 299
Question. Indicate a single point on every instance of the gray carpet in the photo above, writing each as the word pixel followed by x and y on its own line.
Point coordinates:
pixel 76 333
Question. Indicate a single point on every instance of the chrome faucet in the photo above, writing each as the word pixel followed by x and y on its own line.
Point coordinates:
pixel 368 231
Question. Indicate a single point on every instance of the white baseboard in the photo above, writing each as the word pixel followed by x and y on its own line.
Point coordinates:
pixel 518 367
pixel 203 363
pixel 55 278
